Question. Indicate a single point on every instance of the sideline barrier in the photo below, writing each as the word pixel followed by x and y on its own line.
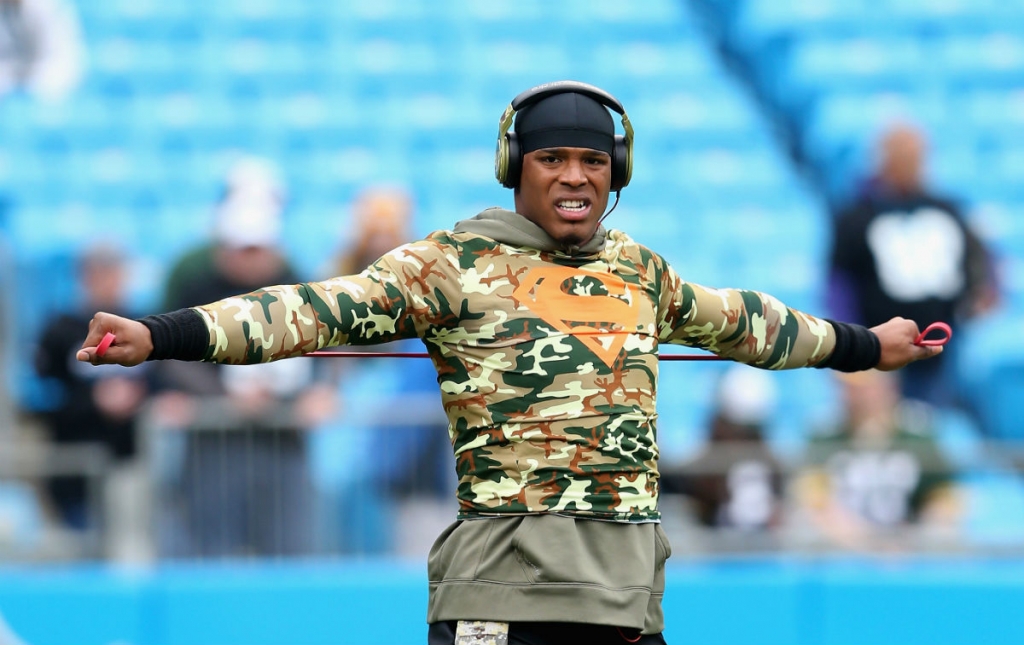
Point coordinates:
pixel 770 602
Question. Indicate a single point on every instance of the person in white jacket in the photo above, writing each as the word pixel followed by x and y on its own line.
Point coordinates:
pixel 41 48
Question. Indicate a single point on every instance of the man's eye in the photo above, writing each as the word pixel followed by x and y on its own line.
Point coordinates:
pixel 597 161
pixel 549 159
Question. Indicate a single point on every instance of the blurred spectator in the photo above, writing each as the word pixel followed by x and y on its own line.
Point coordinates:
pixel 7 307
pixel 735 481
pixel 41 48
pixel 879 471
pixel 407 431
pixel 244 485
pixel 97 406
pixel 244 249
pixel 900 250
pixel 382 219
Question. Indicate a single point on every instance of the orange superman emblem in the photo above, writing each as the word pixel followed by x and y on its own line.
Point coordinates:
pixel 600 322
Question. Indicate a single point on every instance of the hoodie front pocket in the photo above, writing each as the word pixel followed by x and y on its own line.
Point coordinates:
pixel 556 549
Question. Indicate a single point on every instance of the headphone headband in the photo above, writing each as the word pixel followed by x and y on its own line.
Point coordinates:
pixel 541 92
pixel 508 158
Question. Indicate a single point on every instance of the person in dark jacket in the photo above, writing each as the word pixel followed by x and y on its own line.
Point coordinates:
pixel 902 250
pixel 95 406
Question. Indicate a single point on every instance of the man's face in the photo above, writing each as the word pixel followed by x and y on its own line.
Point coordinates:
pixel 903 159
pixel 565 191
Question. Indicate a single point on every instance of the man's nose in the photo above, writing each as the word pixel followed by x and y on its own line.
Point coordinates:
pixel 572 173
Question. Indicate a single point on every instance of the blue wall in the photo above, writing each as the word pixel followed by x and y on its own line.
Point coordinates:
pixel 766 602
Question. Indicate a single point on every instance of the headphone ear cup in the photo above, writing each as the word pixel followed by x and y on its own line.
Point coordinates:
pixel 501 160
pixel 513 161
pixel 620 163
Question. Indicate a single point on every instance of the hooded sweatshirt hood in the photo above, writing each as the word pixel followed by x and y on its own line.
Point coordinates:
pixel 514 229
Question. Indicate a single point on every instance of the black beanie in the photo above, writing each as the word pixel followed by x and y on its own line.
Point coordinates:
pixel 567 120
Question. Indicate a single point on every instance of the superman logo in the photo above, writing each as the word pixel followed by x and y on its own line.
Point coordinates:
pixel 598 309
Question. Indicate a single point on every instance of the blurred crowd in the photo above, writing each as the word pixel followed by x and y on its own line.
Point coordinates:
pixel 352 456
pixel 312 457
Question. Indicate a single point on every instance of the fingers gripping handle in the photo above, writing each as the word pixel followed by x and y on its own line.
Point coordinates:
pixel 940 327
pixel 108 340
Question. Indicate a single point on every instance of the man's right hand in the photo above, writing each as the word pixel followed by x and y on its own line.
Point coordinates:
pixel 132 342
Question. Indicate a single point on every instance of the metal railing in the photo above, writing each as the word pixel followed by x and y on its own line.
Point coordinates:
pixel 28 529
pixel 230 486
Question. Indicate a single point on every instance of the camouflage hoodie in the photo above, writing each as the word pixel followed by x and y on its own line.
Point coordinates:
pixel 547 364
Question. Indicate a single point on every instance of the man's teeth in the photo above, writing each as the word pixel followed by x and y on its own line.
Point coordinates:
pixel 572 205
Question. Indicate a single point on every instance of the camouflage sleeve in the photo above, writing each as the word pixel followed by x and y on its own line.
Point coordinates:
pixel 390 300
pixel 745 326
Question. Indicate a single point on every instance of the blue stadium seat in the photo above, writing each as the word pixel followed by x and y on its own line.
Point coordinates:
pixel 724 169
pixel 756 25
pixel 41 282
pixel 146 64
pixel 143 19
pixel 955 170
pixel 808 401
pixel 1006 165
pixel 966 15
pixel 263 64
pixel 993 111
pixel 21 517
pixel 820 66
pixel 697 115
pixel 1000 224
pixel 960 439
pixel 347 93
pixel 839 133
pixel 684 393
pixel 1000 400
pixel 993 60
pixel 687 60
pixel 270 20
pixel 234 12
pixel 995 506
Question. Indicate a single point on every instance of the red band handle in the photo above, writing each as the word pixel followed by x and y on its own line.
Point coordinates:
pixel 108 340
pixel 941 327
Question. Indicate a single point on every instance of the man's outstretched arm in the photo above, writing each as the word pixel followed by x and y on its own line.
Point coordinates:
pixel 755 328
pixel 392 299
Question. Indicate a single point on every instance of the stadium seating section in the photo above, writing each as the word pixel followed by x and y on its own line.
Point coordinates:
pixel 343 93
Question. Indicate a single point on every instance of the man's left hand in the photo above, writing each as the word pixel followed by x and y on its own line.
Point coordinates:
pixel 897 337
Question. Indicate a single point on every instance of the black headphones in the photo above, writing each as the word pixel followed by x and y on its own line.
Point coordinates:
pixel 508 158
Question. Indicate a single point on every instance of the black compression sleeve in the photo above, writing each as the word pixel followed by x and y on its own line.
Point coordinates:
pixel 179 335
pixel 857 348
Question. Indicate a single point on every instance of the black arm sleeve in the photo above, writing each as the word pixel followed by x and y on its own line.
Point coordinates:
pixel 857 348
pixel 180 335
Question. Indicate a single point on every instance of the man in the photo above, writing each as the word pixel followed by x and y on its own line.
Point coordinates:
pixel 244 485
pixel 543 327
pixel 735 482
pixel 41 48
pixel 902 251
pixel 879 478
pixel 243 249
pixel 412 477
pixel 96 406
pixel 382 219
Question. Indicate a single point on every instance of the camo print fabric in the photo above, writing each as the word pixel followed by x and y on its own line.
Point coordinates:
pixel 546 362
